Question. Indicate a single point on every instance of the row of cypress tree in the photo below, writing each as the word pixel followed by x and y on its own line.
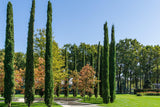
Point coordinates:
pixel 108 67
pixel 29 74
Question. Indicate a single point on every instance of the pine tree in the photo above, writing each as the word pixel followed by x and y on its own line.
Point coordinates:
pixel 66 87
pixel 106 91
pixel 29 74
pixel 101 70
pixel 112 67
pixel 48 59
pixel 9 57
pixel 97 87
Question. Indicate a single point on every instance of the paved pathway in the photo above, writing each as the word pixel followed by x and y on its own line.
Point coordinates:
pixel 70 102
pixel 73 103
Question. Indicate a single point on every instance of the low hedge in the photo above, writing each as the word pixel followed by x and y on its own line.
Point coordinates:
pixel 146 90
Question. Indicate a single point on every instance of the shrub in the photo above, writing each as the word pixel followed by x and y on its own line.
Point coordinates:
pixel 139 94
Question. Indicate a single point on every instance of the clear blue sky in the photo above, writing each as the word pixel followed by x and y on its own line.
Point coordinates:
pixel 76 21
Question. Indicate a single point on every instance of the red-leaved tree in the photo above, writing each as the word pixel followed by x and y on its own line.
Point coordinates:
pixel 87 81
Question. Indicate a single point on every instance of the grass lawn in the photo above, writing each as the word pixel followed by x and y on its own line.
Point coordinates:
pixel 1 99
pixel 22 96
pixel 129 101
pixel 24 105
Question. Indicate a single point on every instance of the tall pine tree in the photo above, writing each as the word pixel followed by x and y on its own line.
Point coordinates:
pixel 106 91
pixel 66 87
pixel 48 59
pixel 29 74
pixel 9 57
pixel 112 67
pixel 97 87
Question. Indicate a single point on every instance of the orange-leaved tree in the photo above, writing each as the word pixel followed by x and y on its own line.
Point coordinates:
pixel 87 81
pixel 19 80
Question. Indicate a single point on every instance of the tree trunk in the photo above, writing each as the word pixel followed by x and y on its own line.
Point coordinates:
pixel 157 77
pixel 29 104
pixel 9 104
pixel 130 82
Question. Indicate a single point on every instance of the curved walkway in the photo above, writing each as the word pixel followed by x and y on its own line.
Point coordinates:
pixel 64 102
pixel 71 102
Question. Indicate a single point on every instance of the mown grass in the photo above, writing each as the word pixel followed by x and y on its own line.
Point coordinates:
pixel 127 100
pixel 22 96
pixel 14 104
pixel 1 99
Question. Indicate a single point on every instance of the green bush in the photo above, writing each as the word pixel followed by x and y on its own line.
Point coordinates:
pixel 138 94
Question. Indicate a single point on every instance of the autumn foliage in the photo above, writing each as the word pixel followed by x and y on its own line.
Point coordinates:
pixel 87 81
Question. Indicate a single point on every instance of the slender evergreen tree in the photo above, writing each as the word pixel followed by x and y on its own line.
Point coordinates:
pixel 101 70
pixel 75 91
pixel 106 91
pixel 48 59
pixel 66 87
pixel 97 87
pixel 92 60
pixel 112 67
pixel 29 74
pixel 84 59
pixel 9 57
pixel 75 58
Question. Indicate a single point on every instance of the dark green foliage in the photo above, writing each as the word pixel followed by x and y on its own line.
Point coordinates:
pixel 75 91
pixel 29 74
pixel 66 85
pixel 20 60
pixel 48 59
pixel 75 58
pixel 101 71
pixel 84 59
pixel 147 84
pixel 105 78
pixel 112 67
pixel 97 87
pixel 92 60
pixel 9 57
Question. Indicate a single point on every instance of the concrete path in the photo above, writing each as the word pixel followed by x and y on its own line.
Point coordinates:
pixel 73 103
pixel 70 102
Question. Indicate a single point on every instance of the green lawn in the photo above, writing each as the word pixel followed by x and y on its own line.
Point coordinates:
pixel 22 95
pixel 129 101
pixel 24 105
pixel 1 99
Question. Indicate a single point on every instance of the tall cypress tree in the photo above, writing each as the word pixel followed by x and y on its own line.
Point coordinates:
pixel 75 91
pixel 66 87
pixel 97 87
pixel 29 74
pixel 106 91
pixel 48 59
pixel 84 59
pixel 101 71
pixel 92 60
pixel 112 67
pixel 9 57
